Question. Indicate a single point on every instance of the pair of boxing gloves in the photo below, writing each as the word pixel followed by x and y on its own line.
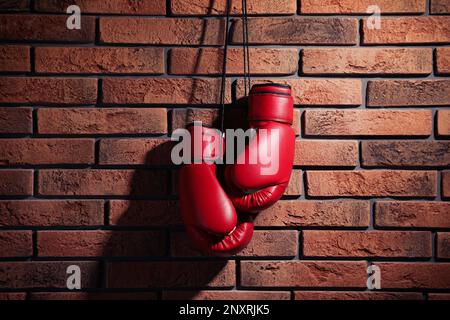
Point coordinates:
pixel 219 219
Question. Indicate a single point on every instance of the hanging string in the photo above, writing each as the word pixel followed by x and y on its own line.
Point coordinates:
pixel 224 68
pixel 245 44
pixel 243 47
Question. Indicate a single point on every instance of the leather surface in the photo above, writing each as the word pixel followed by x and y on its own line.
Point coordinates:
pixel 250 186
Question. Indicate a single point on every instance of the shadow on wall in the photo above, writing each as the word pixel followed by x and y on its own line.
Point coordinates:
pixel 157 259
pixel 145 256
pixel 200 53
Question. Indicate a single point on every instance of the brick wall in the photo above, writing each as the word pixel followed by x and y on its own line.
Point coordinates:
pixel 85 122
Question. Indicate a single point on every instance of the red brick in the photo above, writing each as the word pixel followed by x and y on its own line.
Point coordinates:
pixel 399 93
pixel 415 214
pixel 372 183
pixel 443 59
pixel 296 123
pixel 355 295
pixel 210 60
pixel 16 120
pixel 295 186
pixel 386 244
pixel 295 213
pixel 443 122
pixel 16 244
pixel 15 59
pixel 326 153
pixel 162 31
pixel 135 151
pixel 368 123
pixel 48 90
pixel 12 296
pixel 186 274
pixel 100 243
pixel 40 274
pixel 348 274
pixel 51 213
pixel 413 30
pixel 93 296
pixel 141 7
pixel 103 182
pixel 102 121
pixel 446 184
pixel 414 275
pixel 234 117
pixel 295 31
pixel 16 182
pixel 440 6
pixel 14 5
pixel 163 90
pixel 361 6
pixel 438 296
pixel 100 60
pixel 443 245
pixel 264 243
pixel 144 213
pixel 254 7
pixel 367 61
pixel 317 92
pixel 211 117
pixel 45 28
pixel 226 295
pixel 405 153
pixel 46 151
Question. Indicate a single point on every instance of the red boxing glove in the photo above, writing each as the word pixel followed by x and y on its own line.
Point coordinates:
pixel 254 186
pixel 208 214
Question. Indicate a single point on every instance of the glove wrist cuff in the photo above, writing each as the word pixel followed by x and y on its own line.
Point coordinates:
pixel 271 102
